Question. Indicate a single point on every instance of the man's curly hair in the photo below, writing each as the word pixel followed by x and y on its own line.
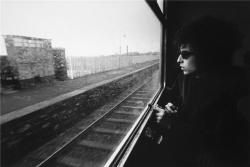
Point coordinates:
pixel 214 40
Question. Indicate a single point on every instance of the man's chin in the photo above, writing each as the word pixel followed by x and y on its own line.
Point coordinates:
pixel 185 72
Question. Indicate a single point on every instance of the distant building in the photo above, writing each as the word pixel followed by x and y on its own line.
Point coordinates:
pixel 28 61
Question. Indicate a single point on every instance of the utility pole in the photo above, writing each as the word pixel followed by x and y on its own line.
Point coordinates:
pixel 127 50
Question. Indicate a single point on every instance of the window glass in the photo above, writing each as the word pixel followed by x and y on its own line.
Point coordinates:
pixel 67 64
pixel 160 3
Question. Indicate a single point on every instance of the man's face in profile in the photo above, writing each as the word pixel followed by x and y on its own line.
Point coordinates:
pixel 186 59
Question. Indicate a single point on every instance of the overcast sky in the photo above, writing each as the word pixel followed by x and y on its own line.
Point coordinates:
pixel 84 28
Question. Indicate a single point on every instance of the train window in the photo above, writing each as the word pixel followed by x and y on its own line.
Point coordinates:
pixel 76 78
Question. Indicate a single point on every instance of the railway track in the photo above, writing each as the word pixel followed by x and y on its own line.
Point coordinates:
pixel 95 144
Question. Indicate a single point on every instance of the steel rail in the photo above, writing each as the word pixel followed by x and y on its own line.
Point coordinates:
pixel 66 145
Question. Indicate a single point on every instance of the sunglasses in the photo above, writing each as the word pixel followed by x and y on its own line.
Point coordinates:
pixel 186 54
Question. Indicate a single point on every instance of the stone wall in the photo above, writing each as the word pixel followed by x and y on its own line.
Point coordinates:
pixel 30 57
pixel 60 65
pixel 23 134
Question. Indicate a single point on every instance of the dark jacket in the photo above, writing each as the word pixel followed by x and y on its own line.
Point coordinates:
pixel 207 125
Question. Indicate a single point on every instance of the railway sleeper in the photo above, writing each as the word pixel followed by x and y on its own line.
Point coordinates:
pixel 119 120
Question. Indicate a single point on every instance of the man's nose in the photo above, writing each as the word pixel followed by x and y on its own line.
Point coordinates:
pixel 179 59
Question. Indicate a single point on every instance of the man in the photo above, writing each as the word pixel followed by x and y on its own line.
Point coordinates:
pixel 207 130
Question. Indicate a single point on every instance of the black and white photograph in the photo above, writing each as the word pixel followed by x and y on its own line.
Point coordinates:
pixel 127 83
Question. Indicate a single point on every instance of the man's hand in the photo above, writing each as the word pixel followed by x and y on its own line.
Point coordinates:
pixel 169 109
pixel 159 114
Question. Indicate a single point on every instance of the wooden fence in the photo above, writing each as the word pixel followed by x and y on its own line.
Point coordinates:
pixel 81 66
